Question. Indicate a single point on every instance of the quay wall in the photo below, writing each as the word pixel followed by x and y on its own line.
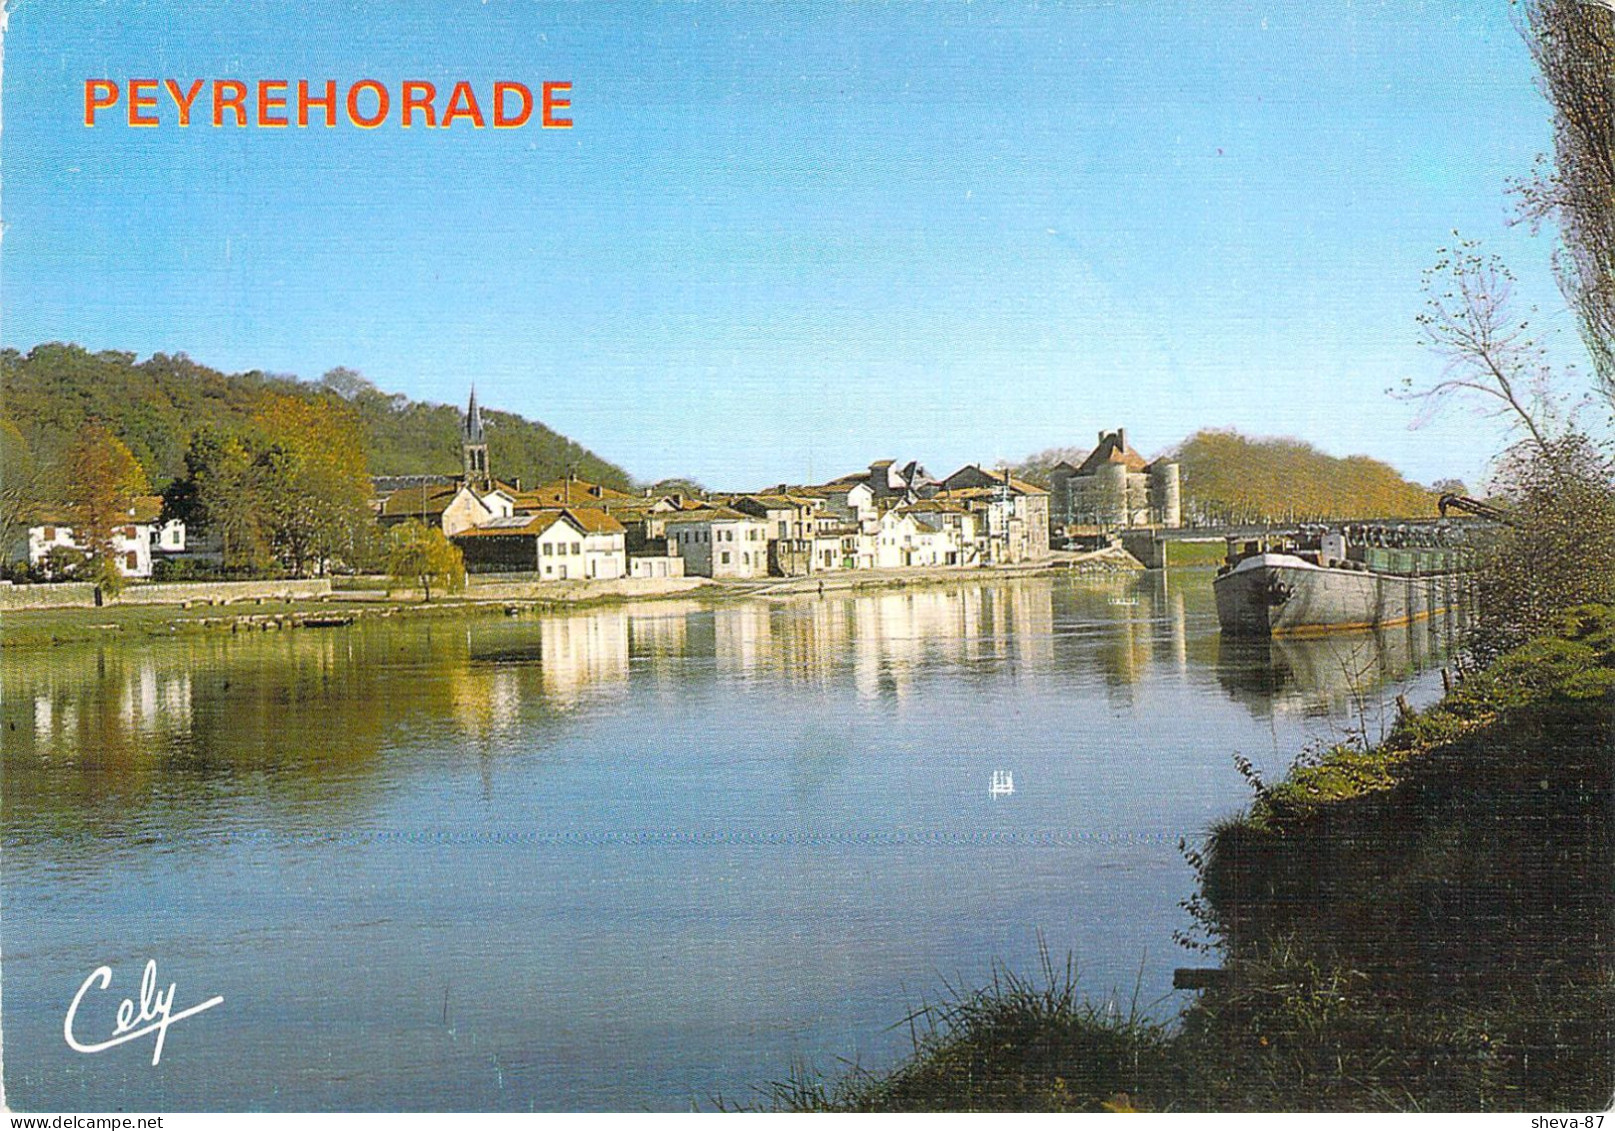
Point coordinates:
pixel 486 587
pixel 81 594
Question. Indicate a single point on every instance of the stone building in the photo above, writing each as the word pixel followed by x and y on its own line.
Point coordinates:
pixel 1012 515
pixel 1114 488
pixel 718 541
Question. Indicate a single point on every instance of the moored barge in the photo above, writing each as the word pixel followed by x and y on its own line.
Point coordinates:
pixel 1327 580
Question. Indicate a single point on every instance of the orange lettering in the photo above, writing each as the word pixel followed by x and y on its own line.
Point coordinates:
pixel 183 102
pixel 98 95
pixel 139 102
pixel 381 104
pixel 236 100
pixel 418 96
pixel 552 103
pixel 500 89
pixel 328 103
pixel 463 104
pixel 266 103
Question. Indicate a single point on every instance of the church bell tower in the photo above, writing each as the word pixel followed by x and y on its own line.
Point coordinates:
pixel 473 448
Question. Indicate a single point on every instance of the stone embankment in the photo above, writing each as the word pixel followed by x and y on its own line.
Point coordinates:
pixel 82 595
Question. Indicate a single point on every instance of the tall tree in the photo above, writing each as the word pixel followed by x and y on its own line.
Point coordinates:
pixel 314 486
pixel 102 478
pixel 21 484
pixel 1573 42
pixel 220 495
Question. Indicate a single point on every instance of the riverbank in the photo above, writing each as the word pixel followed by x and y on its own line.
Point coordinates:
pixel 218 608
pixel 1428 924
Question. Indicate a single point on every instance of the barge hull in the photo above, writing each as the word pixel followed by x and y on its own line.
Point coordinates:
pixel 1281 600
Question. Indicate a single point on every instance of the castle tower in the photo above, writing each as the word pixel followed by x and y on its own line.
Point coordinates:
pixel 1166 493
pixel 473 448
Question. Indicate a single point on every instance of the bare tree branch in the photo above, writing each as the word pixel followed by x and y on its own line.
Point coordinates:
pixel 1492 359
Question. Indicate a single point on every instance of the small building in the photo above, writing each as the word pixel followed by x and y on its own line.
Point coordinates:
pixel 956 524
pixel 719 541
pixel 559 545
pixel 1012 515
pixel 793 524
pixel 452 507
pixel 655 565
pixel 134 544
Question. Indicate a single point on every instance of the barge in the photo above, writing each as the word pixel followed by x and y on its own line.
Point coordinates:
pixel 1330 580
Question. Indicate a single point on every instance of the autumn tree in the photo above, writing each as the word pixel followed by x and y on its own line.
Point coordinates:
pixel 102 478
pixel 1234 479
pixel 423 556
pixel 22 480
pixel 313 483
pixel 1573 42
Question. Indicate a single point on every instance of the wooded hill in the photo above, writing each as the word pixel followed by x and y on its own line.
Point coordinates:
pixel 155 406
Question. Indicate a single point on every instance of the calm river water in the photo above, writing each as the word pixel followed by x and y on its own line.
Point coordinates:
pixel 635 857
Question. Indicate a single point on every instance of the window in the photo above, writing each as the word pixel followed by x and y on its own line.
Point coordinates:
pixel 548 550
pixel 131 561
pixel 50 534
pixel 726 557
pixel 577 549
pixel 128 532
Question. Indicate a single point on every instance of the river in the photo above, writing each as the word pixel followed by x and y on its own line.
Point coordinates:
pixel 635 857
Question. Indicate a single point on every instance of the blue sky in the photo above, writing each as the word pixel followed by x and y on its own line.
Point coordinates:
pixel 782 241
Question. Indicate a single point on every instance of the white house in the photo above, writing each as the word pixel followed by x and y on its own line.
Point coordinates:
pixel 132 544
pixel 579 544
pixel 907 538
pixel 719 542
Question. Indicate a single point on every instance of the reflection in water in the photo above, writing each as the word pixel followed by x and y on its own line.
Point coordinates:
pixel 1339 673
pixel 646 853
pixel 320 706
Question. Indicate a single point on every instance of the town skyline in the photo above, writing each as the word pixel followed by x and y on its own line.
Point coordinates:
pixel 772 246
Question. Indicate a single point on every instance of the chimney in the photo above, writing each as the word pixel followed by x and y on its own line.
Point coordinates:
pixel 1121 439
pixel 1101 436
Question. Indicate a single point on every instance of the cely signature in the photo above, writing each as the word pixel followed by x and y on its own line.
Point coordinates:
pixel 154 1012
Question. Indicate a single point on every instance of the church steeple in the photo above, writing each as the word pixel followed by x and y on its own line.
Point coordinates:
pixel 473 448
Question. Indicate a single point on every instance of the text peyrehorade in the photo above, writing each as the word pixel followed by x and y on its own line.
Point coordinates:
pixel 367 103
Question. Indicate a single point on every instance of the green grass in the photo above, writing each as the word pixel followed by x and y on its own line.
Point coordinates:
pixel 1192 554
pixel 1018 1044
pixel 44 628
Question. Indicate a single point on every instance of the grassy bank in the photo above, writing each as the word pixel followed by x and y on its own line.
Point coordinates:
pixel 44 628
pixel 1427 924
